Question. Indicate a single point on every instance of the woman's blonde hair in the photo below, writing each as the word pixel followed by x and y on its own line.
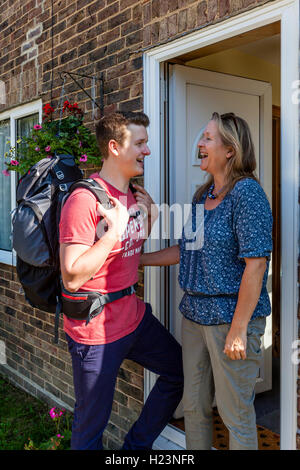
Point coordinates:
pixel 235 133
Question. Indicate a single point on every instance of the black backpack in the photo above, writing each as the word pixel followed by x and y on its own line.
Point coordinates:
pixel 41 193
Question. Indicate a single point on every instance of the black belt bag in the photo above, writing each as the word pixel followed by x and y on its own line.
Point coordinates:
pixel 87 305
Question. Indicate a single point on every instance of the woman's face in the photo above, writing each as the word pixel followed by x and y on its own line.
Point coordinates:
pixel 214 154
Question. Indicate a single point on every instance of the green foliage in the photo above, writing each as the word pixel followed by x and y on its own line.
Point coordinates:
pixel 26 423
pixel 67 135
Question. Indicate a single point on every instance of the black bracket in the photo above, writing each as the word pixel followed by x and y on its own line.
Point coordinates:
pixel 99 79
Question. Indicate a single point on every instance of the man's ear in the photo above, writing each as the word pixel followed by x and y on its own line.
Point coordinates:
pixel 113 147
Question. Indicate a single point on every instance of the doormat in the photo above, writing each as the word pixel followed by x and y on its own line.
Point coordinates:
pixel 267 440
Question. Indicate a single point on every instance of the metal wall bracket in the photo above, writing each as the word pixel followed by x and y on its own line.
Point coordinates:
pixel 99 79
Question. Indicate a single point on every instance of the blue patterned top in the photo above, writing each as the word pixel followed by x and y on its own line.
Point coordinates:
pixel 239 227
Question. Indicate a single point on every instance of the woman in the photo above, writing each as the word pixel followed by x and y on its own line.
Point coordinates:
pixel 225 303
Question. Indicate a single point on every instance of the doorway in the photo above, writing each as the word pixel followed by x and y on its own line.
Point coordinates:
pixel 195 93
pixel 285 14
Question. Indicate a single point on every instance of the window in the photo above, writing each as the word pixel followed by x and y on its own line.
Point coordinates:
pixel 5 188
pixel 14 124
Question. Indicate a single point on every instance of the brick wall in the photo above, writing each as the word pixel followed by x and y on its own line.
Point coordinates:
pixel 38 40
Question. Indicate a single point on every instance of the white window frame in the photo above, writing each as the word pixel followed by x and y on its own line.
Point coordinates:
pixel 9 257
pixel 287 12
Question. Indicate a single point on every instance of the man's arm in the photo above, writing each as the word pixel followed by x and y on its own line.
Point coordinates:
pixel 81 262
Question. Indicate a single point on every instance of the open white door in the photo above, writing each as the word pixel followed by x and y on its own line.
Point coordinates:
pixel 194 95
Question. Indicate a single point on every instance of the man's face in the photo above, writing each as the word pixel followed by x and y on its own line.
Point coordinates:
pixel 132 152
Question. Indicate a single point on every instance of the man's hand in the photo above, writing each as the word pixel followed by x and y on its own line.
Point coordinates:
pixel 116 218
pixel 144 200
pixel 236 343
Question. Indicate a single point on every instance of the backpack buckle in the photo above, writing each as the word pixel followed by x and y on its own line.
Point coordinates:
pixel 59 175
pixel 132 290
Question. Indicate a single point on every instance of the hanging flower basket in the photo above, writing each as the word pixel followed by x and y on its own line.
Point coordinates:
pixel 67 134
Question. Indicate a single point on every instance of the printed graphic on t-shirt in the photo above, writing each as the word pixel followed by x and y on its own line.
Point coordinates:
pixel 135 232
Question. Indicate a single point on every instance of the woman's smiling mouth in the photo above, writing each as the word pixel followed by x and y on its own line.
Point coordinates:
pixel 202 155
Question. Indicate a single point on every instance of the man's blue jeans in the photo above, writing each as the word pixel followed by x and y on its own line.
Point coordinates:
pixel 95 370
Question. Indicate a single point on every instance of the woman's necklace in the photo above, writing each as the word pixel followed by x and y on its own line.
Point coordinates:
pixel 210 194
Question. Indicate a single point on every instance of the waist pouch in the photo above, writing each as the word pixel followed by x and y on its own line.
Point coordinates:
pixel 87 305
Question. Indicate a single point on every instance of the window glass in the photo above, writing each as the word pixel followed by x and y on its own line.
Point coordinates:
pixel 25 125
pixel 23 128
pixel 5 189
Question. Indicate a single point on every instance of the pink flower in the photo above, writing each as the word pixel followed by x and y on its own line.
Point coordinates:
pixel 55 415
pixel 5 172
pixel 37 149
pixel 83 158
pixel 37 127
pixel 14 162
pixel 49 156
pixel 48 148
pixel 80 144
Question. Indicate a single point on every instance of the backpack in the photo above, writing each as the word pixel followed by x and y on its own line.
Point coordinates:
pixel 41 193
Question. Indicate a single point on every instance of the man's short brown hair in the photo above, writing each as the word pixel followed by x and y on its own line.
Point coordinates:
pixel 113 126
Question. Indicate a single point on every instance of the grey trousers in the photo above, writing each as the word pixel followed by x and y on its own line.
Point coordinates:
pixel 209 373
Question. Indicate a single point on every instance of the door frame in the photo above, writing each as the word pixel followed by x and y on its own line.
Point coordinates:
pixel 287 12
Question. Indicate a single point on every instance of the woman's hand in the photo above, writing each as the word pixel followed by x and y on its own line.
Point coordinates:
pixel 236 343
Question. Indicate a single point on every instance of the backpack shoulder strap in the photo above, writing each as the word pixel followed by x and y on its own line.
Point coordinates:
pixel 133 190
pixel 98 191
pixel 95 188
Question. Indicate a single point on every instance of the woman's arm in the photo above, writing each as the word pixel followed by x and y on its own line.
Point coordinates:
pixel 165 257
pixel 249 293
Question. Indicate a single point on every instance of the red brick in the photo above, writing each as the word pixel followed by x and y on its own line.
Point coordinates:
pixel 108 12
pixel 147 13
pixel 201 13
pixel 224 7
pixel 182 21
pixel 192 17
pixel 212 10
pixel 155 8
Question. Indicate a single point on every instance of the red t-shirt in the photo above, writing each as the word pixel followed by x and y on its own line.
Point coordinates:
pixel 80 223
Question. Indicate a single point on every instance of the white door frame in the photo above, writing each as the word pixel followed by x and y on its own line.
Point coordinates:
pixel 286 11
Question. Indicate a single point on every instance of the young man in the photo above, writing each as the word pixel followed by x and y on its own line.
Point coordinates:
pixel 93 259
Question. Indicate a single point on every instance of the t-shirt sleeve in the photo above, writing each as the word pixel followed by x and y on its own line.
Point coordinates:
pixel 78 221
pixel 252 220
